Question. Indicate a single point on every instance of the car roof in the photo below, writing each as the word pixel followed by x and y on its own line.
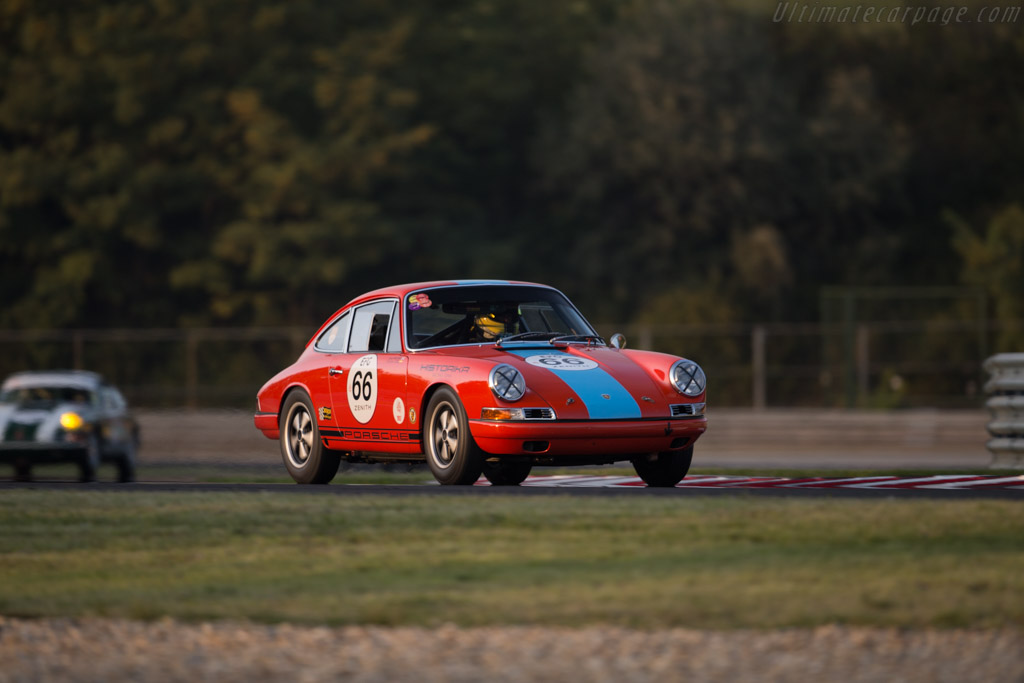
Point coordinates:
pixel 400 291
pixel 77 379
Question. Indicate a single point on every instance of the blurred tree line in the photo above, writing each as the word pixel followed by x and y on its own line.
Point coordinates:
pixel 259 162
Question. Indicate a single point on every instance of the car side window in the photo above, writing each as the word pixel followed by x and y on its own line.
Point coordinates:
pixel 394 337
pixel 111 399
pixel 334 337
pixel 370 327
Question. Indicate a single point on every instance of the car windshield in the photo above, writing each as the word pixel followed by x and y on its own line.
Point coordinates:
pixel 46 395
pixel 448 316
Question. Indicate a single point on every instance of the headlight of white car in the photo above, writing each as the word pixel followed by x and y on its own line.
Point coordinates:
pixel 506 383
pixel 687 378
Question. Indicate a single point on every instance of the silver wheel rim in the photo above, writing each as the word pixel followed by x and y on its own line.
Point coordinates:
pixel 444 435
pixel 298 435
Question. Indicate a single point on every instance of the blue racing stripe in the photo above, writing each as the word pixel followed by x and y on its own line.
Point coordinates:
pixel 592 386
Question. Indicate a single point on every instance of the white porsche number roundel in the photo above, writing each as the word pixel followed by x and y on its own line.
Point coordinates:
pixel 362 388
pixel 556 361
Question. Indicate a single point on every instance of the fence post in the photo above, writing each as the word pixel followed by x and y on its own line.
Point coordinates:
pixel 646 338
pixel 849 332
pixel 191 369
pixel 757 339
pixel 863 363
pixel 77 351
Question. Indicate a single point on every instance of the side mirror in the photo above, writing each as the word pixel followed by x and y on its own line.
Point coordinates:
pixel 619 340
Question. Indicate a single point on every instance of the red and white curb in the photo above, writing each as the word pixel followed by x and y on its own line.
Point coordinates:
pixel 952 482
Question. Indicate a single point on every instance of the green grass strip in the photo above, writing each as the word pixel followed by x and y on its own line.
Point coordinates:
pixel 630 561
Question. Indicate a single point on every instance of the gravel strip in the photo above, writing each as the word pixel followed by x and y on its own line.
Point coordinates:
pixel 166 650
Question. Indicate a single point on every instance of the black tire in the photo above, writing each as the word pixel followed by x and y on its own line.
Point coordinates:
pixel 89 462
pixel 452 455
pixel 663 469
pixel 22 471
pixel 126 463
pixel 307 459
pixel 507 473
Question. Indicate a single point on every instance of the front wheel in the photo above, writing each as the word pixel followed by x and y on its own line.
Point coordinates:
pixel 507 473
pixel 664 469
pixel 89 461
pixel 452 455
pixel 307 459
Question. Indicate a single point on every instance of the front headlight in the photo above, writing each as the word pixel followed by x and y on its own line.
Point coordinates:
pixel 71 421
pixel 688 378
pixel 506 383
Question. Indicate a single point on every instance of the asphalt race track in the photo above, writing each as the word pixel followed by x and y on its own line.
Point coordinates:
pixel 938 486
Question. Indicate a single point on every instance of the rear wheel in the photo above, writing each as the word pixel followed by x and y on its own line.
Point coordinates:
pixel 507 473
pixel 452 455
pixel 126 463
pixel 307 459
pixel 664 469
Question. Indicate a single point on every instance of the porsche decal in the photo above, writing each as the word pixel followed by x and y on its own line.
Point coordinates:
pixel 370 436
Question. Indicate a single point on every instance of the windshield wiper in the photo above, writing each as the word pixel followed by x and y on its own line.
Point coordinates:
pixel 523 336
pixel 587 338
pixel 553 338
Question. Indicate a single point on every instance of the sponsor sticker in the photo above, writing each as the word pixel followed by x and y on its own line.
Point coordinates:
pixel 398 409
pixel 362 388
pixel 325 414
pixel 418 301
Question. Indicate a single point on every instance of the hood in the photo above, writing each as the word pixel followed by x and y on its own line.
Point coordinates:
pixel 580 381
pixel 35 422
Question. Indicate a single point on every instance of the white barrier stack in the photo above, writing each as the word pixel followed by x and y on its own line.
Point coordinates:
pixel 1005 390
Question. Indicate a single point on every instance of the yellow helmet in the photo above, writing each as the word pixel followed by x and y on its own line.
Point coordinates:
pixel 489 325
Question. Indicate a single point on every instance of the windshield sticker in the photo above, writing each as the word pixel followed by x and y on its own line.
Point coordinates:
pixel 560 362
pixel 362 388
pixel 418 301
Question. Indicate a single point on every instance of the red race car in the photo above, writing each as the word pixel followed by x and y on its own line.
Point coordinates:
pixel 475 377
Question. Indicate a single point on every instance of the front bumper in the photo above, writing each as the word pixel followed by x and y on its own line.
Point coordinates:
pixel 586 437
pixel 267 423
pixel 40 452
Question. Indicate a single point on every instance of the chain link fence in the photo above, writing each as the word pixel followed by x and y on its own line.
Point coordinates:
pixel 867 365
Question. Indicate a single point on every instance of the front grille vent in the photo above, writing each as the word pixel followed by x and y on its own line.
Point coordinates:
pixel 681 409
pixel 538 414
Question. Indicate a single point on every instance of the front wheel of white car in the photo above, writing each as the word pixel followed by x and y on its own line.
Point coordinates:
pixel 452 455
pixel 89 460
pixel 664 469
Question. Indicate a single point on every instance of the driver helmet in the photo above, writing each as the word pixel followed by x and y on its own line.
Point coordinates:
pixel 490 326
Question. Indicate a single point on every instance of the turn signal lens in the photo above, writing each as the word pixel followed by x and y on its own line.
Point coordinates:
pixel 501 414
pixel 71 421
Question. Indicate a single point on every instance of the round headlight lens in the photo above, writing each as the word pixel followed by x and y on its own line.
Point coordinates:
pixel 506 382
pixel 688 378
pixel 71 421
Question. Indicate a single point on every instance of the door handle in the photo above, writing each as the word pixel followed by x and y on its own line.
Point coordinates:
pixel 335 371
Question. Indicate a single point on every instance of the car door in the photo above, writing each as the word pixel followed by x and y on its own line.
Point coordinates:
pixel 370 402
pixel 116 425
